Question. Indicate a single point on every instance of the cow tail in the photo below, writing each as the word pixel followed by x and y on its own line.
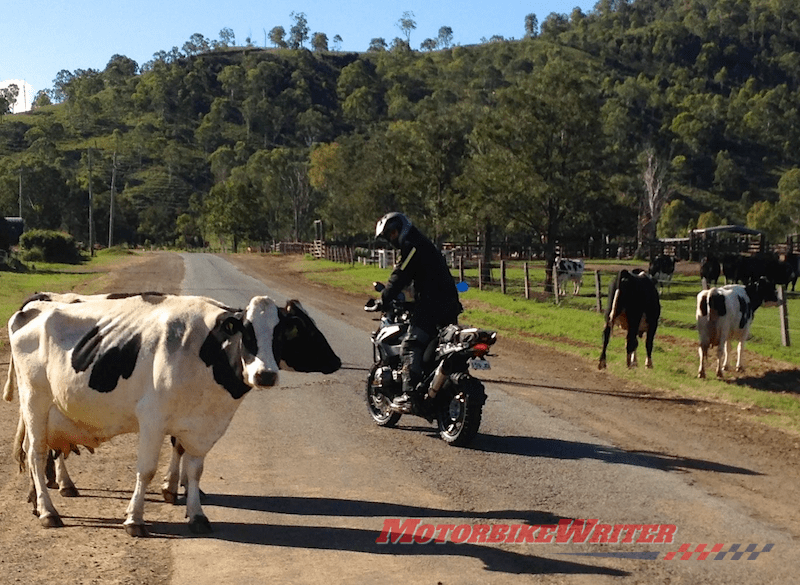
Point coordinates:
pixel 11 381
pixel 19 440
pixel 613 314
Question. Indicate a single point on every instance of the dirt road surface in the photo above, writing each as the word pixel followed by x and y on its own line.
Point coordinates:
pixel 303 483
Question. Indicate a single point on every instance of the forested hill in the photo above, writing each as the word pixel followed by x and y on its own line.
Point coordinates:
pixel 637 119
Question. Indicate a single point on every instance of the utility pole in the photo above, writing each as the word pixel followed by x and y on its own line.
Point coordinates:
pixel 111 206
pixel 20 191
pixel 91 214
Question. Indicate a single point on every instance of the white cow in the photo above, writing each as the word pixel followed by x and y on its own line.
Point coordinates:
pixel 569 271
pixel 727 313
pixel 154 364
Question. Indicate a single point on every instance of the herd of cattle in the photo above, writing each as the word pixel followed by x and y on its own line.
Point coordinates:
pixel 89 368
pixel 723 314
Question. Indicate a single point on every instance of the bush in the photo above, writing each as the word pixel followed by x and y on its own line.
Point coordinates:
pixel 49 246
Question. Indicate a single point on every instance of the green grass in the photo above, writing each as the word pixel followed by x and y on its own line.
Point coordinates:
pixel 575 327
pixel 15 287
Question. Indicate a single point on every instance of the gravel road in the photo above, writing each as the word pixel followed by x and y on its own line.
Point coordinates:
pixel 303 483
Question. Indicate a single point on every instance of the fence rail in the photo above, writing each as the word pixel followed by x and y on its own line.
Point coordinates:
pixel 497 276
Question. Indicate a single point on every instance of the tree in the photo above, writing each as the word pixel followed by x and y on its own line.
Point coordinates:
pixel 655 195
pixel 789 193
pixel 8 97
pixel 337 42
pixel 196 44
pixel 445 37
pixel 276 37
pixel 298 34
pixel 227 38
pixel 428 45
pixel 536 154
pixel 531 26
pixel 674 220
pixel 376 45
pixel 41 99
pixel 319 42
pixel 407 24
pixel 768 218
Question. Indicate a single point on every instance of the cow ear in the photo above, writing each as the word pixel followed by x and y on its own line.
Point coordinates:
pixel 232 325
pixel 291 328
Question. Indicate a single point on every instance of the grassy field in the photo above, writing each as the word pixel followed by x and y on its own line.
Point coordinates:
pixel 575 327
pixel 15 287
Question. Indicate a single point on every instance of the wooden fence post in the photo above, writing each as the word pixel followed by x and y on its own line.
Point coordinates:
pixel 555 282
pixel 785 340
pixel 480 274
pixel 597 291
pixel 461 269
pixel 503 276
pixel 527 282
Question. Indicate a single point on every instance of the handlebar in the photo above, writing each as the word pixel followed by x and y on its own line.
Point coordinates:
pixel 373 306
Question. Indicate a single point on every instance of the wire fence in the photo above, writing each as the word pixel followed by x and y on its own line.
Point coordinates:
pixel 530 280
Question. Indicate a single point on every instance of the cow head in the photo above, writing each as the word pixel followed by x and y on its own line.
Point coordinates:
pixel 300 344
pixel 762 292
pixel 258 336
pixel 238 348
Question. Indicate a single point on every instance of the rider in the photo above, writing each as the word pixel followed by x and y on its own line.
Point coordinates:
pixel 436 301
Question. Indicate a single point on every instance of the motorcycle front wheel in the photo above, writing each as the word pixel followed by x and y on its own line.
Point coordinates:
pixel 378 404
pixel 460 417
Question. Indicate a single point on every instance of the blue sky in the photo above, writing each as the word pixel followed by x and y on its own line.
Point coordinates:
pixel 40 38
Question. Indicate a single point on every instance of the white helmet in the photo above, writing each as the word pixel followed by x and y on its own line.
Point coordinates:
pixel 393 221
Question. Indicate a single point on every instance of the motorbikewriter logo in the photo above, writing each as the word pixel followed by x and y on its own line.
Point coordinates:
pixel 567 531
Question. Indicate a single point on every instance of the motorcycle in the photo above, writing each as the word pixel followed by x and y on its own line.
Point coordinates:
pixel 449 394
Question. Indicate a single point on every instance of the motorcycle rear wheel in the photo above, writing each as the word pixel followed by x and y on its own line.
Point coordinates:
pixel 378 404
pixel 460 417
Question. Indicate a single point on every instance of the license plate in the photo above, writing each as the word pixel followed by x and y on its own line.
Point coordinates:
pixel 478 364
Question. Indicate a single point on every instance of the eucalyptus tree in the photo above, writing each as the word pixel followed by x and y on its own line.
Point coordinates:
pixel 537 153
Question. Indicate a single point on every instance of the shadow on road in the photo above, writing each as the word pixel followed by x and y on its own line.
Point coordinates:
pixel 561 449
pixel 364 541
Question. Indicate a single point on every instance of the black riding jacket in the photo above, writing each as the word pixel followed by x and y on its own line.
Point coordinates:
pixel 435 296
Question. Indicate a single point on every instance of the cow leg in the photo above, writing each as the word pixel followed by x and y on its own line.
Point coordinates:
pixel 150 442
pixel 198 522
pixel 66 487
pixel 170 488
pixel 703 351
pixel 606 336
pixel 739 351
pixel 722 357
pixel 648 344
pixel 631 344
pixel 36 450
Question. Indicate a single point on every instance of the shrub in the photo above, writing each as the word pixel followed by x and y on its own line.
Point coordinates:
pixel 49 246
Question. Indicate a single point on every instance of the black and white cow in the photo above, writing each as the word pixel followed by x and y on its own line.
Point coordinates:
pixel 727 313
pixel 569 271
pixel 661 270
pixel 154 364
pixel 633 303
pixel 56 469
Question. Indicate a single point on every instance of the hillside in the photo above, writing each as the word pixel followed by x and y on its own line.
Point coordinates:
pixel 638 119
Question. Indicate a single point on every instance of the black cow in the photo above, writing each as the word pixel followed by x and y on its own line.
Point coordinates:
pixel 794 261
pixel 632 303
pixel 710 270
pixel 731 264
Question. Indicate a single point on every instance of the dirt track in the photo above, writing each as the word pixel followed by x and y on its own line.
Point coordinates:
pixel 678 434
